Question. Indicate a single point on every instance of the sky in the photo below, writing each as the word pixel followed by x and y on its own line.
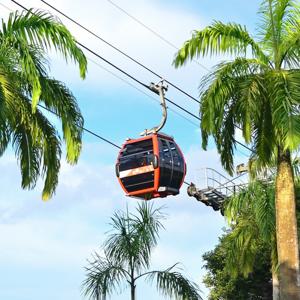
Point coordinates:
pixel 45 245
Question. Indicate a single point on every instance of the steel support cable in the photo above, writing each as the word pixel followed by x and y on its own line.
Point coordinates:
pixel 125 54
pixel 121 70
pixel 132 77
pixel 141 91
pixel 83 128
pixel 151 30
pixel 119 50
pixel 135 79
pixel 147 87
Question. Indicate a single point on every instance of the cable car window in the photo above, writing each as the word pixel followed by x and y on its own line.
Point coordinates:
pixel 136 155
pixel 173 149
pixel 165 148
pixel 142 146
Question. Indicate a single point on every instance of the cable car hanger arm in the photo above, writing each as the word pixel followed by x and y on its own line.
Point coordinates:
pixel 159 89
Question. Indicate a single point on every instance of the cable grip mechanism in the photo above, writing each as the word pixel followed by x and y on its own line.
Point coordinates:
pixel 160 89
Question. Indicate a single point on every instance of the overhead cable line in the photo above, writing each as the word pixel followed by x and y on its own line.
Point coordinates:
pixel 140 90
pixel 132 77
pixel 146 86
pixel 130 57
pixel 121 70
pixel 135 79
pixel 151 30
pixel 81 127
pixel 119 50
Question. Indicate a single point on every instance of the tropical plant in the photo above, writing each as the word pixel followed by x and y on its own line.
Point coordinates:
pixel 24 84
pixel 251 215
pixel 224 286
pixel 259 92
pixel 127 252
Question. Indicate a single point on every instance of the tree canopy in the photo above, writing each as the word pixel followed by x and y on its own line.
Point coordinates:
pixel 127 252
pixel 25 39
pixel 224 286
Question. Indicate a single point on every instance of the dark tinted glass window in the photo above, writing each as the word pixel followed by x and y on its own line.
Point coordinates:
pixel 165 151
pixel 171 164
pixel 139 147
pixel 174 149
pixel 139 182
pixel 136 155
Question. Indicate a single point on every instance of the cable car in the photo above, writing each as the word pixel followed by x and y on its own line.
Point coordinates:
pixel 153 165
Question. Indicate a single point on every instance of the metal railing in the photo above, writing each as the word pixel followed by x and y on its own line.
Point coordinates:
pixel 215 180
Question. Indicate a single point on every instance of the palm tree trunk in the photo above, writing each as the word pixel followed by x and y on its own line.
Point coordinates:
pixel 275 285
pixel 132 281
pixel 132 286
pixel 286 229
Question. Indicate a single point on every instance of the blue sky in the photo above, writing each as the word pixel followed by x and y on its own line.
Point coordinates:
pixel 44 245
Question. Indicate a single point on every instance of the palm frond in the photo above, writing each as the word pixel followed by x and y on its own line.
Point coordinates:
pixel 251 214
pixel 7 88
pixel 229 96
pixel 146 225
pixel 174 285
pixel 279 18
pixel 5 136
pixel 241 246
pixel 219 38
pixel 258 200
pixel 103 278
pixel 284 104
pixel 29 154
pixel 37 145
pixel 59 99
pixel 51 156
pixel 134 236
pixel 41 31
pixel 289 47
pixel 6 97
pixel 118 245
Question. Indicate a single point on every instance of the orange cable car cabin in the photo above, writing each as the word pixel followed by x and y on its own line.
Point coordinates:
pixel 151 166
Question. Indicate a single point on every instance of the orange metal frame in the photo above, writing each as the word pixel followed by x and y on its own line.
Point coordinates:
pixel 156 171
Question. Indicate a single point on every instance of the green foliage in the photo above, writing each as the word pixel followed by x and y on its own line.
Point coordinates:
pixel 241 264
pixel 258 90
pixel 127 252
pixel 173 284
pixel 251 213
pixel 24 83
pixel 224 286
pixel 216 39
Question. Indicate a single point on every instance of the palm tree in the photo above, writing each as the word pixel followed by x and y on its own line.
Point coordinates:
pixel 25 84
pixel 251 214
pixel 259 92
pixel 127 253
